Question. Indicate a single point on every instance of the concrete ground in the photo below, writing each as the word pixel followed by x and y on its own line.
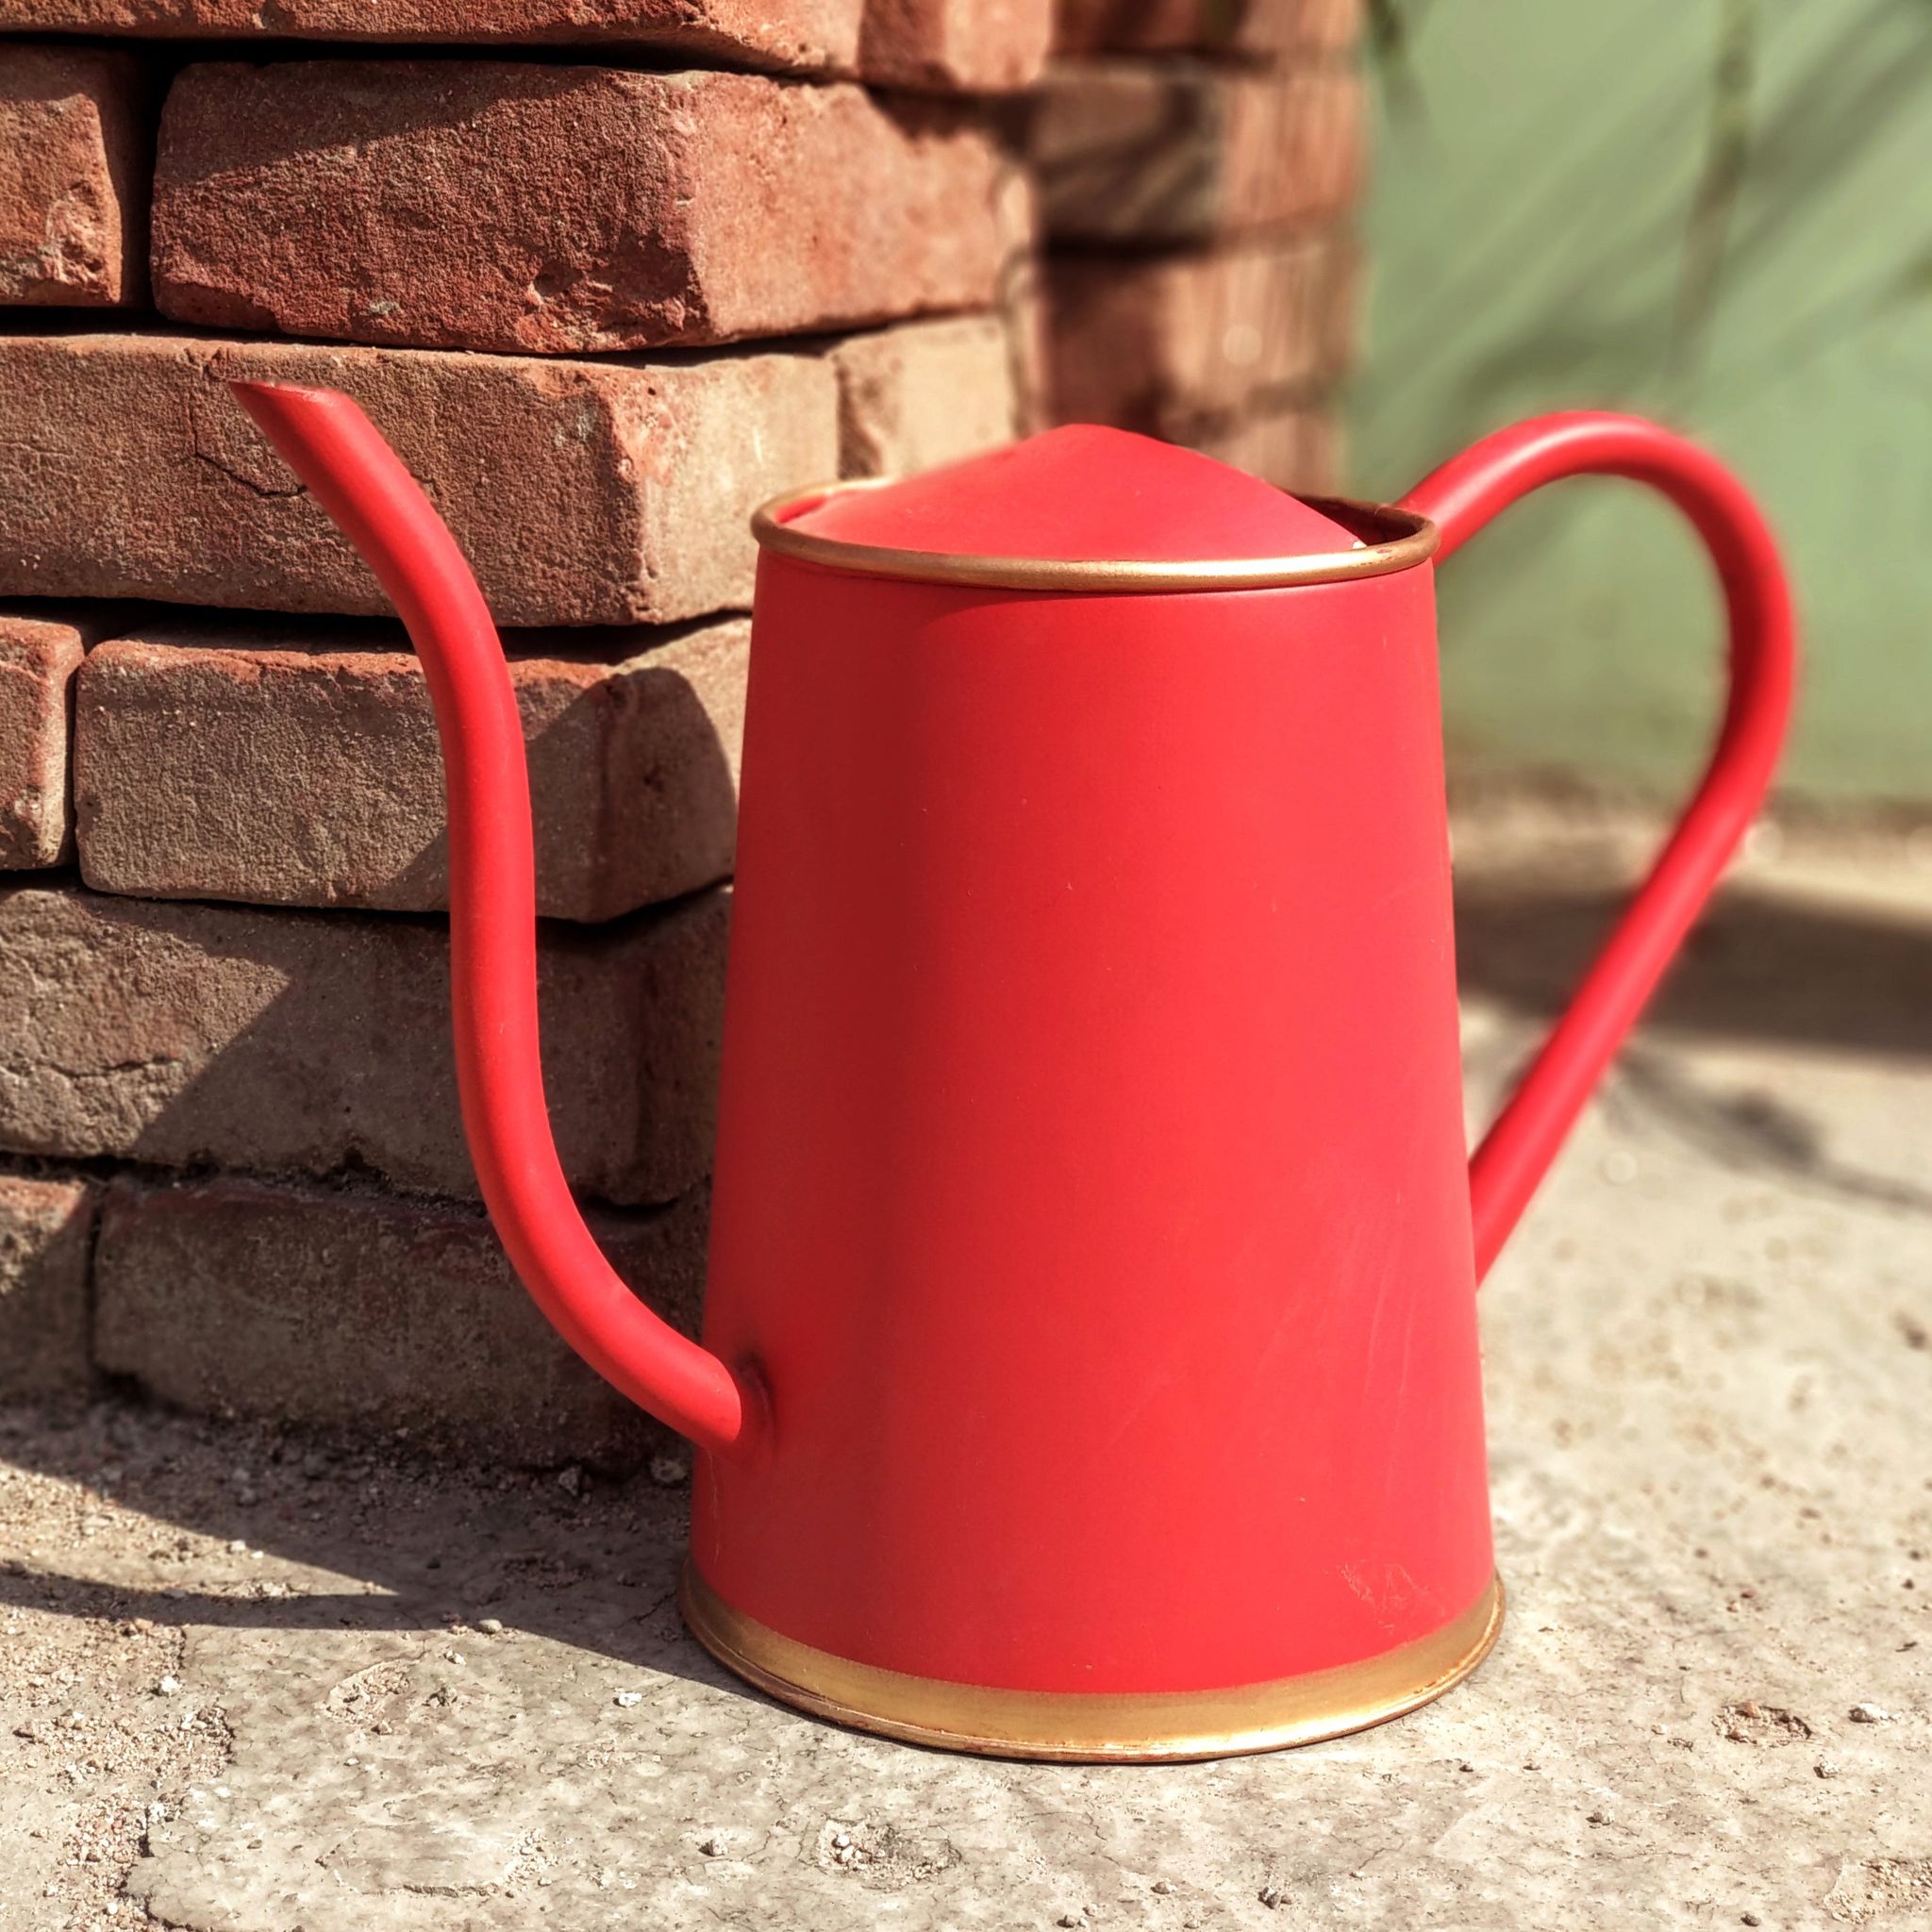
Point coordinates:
pixel 254 1680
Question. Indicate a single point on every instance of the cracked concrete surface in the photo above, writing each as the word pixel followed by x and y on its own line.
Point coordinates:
pixel 425 1698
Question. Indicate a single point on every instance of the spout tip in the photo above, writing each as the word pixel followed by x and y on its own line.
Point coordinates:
pixel 299 419
pixel 262 386
pixel 268 400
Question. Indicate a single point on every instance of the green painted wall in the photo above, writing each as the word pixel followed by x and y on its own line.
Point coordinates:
pixel 1714 212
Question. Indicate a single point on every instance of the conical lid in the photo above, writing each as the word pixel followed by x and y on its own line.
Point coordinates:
pixel 1084 495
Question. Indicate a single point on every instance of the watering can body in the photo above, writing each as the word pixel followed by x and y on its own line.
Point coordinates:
pixel 1091 1180
pixel 1090 1362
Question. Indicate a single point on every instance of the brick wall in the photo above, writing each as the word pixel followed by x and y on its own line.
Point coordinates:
pixel 606 277
pixel 1198 161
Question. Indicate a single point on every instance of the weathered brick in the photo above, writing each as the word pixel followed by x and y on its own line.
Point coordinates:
pixel 46 1237
pixel 75 161
pixel 1156 342
pixel 970 45
pixel 1298 448
pixel 194 1035
pixel 349 1309
pixel 804 35
pixel 1263 29
pixel 974 47
pixel 485 205
pixel 924 394
pixel 582 492
pixel 1177 151
pixel 280 764
pixel 39 657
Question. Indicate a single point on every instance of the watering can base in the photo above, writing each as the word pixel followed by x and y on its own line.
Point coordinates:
pixel 1130 1727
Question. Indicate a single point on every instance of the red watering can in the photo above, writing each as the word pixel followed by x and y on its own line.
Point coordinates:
pixel 1089 1358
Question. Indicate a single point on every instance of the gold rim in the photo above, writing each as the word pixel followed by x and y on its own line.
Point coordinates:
pixel 1393 539
pixel 1092 1727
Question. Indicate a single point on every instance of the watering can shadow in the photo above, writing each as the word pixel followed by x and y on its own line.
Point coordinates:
pixel 1089 1366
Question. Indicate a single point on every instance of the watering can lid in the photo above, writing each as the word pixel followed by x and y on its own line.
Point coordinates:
pixel 1083 497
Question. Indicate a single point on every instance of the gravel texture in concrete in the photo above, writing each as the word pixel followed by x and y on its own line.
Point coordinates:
pixel 252 1679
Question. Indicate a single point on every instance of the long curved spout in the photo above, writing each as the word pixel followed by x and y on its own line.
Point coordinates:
pixel 362 484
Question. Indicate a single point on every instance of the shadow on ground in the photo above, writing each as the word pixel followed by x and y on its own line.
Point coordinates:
pixel 389 1539
pixel 1760 966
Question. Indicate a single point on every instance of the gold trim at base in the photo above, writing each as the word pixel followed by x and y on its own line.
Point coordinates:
pixel 1080 1726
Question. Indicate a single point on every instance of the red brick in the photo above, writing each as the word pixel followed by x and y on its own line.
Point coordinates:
pixel 352 1309
pixel 38 661
pixel 804 35
pixel 924 394
pixel 261 760
pixel 1157 342
pixel 46 1237
pixel 1180 151
pixel 194 1035
pixel 940 45
pixel 484 205
pixel 975 46
pixel 582 492
pixel 1264 30
pixel 75 159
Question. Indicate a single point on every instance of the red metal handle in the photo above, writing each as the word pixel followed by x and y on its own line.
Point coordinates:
pixel 362 484
pixel 1461 497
